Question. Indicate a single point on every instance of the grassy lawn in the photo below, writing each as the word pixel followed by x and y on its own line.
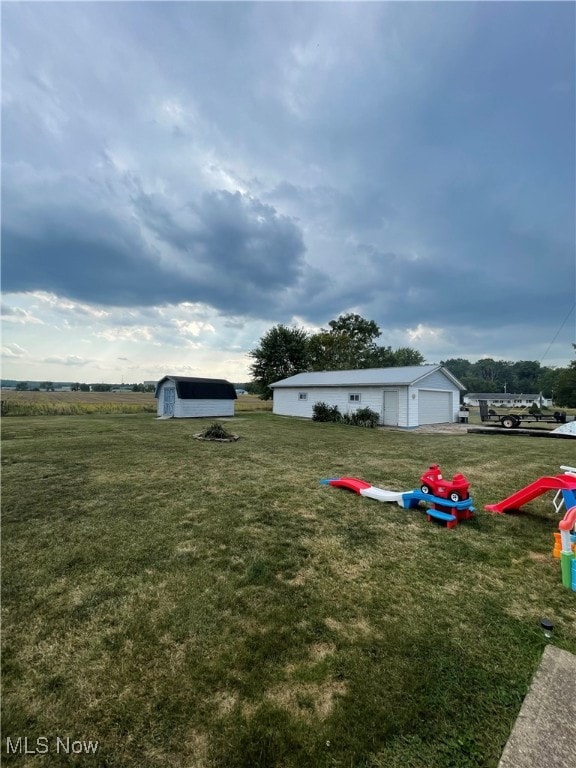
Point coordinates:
pixel 211 605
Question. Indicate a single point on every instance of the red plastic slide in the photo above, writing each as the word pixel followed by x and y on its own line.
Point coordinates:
pixel 537 488
pixel 351 483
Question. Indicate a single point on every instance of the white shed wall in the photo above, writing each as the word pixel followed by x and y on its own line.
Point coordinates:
pixel 187 409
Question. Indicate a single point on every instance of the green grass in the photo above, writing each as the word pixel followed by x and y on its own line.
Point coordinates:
pixel 211 605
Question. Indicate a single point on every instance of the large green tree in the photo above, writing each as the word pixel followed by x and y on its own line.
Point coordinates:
pixel 347 343
pixel 282 352
pixel 526 376
pixel 458 366
pixel 565 394
pixel 407 356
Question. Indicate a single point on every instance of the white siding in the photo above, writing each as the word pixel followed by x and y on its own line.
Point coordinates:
pixel 287 402
pixel 436 380
pixel 187 409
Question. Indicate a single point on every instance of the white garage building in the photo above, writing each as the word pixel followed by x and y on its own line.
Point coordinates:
pixel 404 397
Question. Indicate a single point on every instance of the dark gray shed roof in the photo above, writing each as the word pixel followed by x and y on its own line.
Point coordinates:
pixel 194 388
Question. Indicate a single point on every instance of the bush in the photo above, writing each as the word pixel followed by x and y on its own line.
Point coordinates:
pixel 365 417
pixel 324 412
pixel 216 431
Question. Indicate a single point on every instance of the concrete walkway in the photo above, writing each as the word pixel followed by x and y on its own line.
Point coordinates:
pixel 544 735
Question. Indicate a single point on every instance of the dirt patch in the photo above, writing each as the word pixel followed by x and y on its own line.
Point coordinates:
pixel 539 557
pixel 225 702
pixel 320 651
pixel 439 429
pixel 352 630
pixel 308 699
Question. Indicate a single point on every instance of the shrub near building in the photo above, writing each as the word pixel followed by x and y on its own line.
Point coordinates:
pixel 363 417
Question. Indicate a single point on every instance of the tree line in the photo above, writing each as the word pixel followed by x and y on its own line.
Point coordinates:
pixel 49 386
pixel 348 343
pixel 523 377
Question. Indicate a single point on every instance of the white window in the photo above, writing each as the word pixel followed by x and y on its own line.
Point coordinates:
pixel 302 395
pixel 354 397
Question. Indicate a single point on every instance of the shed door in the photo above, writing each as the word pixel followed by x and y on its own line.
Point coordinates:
pixel 391 407
pixel 169 400
pixel 434 407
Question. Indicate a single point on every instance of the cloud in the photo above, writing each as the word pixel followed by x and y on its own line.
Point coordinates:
pixel 14 350
pixel 263 165
pixel 18 315
pixel 230 251
pixel 68 360
pixel 133 334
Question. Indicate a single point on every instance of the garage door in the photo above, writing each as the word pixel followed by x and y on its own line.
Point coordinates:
pixel 434 407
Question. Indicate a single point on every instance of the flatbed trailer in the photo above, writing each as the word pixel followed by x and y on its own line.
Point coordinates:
pixel 513 420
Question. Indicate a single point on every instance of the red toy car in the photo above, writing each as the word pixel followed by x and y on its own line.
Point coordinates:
pixel 434 484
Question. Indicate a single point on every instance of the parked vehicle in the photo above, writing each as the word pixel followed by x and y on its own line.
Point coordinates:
pixel 514 420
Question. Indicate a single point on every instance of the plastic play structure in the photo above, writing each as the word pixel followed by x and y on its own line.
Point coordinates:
pixel 565 540
pixel 567 552
pixel 448 500
pixel 564 485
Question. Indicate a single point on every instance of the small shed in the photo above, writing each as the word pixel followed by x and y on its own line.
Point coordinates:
pixel 185 397
pixel 408 396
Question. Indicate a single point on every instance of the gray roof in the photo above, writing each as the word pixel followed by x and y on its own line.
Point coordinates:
pixel 365 377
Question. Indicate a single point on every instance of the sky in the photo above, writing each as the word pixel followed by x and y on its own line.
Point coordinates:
pixel 178 178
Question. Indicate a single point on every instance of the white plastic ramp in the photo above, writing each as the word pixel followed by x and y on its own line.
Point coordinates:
pixel 381 495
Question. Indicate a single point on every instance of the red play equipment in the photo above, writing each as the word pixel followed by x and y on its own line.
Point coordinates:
pixel 566 482
pixel 350 483
pixel 433 482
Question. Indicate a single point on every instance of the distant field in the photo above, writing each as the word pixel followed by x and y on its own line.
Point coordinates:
pixel 30 403
pixel 78 397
